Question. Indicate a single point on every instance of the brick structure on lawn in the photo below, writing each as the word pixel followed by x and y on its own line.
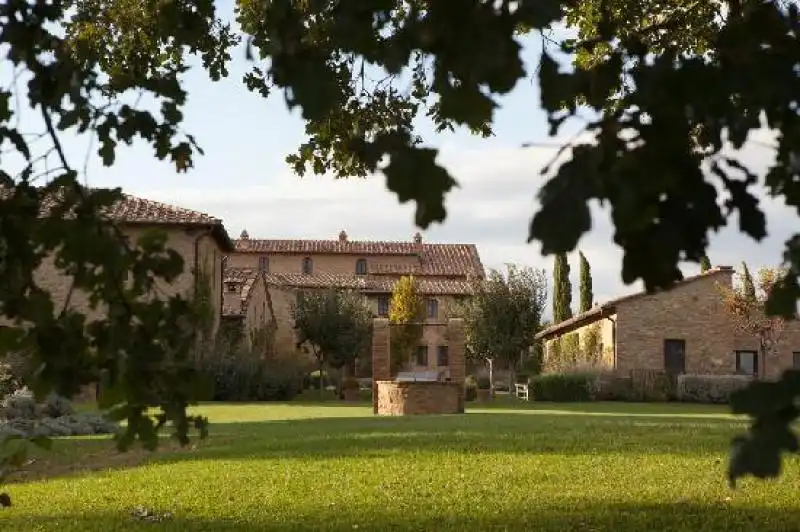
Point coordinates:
pixel 682 330
pixel 407 397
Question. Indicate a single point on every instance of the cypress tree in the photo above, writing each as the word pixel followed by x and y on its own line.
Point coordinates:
pixel 562 289
pixel 748 288
pixel 587 297
pixel 705 264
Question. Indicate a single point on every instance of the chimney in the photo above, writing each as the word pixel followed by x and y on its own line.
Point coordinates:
pixel 417 238
pixel 245 235
pixel 244 240
pixel 342 236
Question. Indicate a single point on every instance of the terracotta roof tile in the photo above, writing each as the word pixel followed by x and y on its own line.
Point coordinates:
pixel 237 289
pixel 139 210
pixel 434 259
pixel 365 283
pixel 134 210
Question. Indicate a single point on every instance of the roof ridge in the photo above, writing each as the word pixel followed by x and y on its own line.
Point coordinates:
pixel 126 196
pixel 358 241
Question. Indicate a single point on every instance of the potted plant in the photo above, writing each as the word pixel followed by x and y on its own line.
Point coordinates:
pixel 484 389
pixel 350 389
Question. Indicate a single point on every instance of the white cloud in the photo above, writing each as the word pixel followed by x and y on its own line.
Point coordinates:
pixel 491 208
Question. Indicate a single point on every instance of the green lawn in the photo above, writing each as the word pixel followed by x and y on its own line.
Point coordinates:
pixel 327 466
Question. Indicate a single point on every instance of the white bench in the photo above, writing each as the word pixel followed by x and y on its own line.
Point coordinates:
pixel 521 391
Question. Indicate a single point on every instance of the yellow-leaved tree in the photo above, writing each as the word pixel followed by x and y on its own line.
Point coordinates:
pixel 406 314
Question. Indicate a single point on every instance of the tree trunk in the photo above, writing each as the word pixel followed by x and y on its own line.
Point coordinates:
pixel 321 380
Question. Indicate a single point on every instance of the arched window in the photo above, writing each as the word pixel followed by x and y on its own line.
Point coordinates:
pixel 308 266
pixel 361 267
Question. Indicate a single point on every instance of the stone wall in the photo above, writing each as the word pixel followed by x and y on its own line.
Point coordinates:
pixel 418 398
pixel 186 242
pixel 693 312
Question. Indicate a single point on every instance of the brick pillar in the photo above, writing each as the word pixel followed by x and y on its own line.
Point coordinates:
pixel 381 370
pixel 457 365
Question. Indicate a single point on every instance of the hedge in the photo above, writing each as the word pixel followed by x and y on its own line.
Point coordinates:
pixel 563 387
pixel 710 388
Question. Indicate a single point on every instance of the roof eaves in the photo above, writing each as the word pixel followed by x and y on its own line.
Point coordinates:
pixel 590 316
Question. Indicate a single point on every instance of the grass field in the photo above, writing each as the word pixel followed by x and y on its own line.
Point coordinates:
pixel 327 466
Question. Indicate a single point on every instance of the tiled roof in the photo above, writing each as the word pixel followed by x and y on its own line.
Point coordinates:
pixel 365 283
pixel 434 259
pixel 134 210
pixel 131 209
pixel 610 307
pixel 235 304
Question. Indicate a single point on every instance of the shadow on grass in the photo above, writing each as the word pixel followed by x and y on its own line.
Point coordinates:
pixel 366 437
pixel 570 516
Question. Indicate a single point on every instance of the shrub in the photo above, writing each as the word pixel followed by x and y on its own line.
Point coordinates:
pixel 243 378
pixel 653 385
pixel 20 415
pixel 563 387
pixel 483 383
pixel 614 388
pixel 710 388
pixel 8 383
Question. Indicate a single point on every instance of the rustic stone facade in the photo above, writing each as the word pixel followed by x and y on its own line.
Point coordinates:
pixel 201 252
pixel 199 239
pixel 246 302
pixel 692 314
pixel 421 399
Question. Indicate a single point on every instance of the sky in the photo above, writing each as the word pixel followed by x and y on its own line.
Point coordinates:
pixel 243 179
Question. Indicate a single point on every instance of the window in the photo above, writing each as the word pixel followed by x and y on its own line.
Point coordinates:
pixel 675 356
pixel 383 306
pixel 361 267
pixel 263 264
pixel 433 308
pixel 796 360
pixel 422 355
pixel 299 295
pixel 747 362
pixel 308 266
pixel 442 356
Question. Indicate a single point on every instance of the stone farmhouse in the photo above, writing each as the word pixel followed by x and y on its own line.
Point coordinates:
pixel 681 330
pixel 444 273
pixel 254 282
pixel 200 239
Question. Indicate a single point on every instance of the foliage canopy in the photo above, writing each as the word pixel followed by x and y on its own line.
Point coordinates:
pixel 504 313
pixel 407 315
pixel 335 324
